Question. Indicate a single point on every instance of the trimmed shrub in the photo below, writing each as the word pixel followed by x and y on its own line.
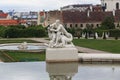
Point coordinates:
pixel 115 33
pixel 21 31
pixel 11 32
pixel 2 31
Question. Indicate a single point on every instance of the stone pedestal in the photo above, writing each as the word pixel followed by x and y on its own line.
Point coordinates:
pixel 61 54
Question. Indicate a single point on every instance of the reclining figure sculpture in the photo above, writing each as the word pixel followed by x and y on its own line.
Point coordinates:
pixel 59 37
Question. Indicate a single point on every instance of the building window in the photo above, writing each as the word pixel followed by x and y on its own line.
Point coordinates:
pixel 92 25
pixel 71 25
pixel 87 25
pixel 105 5
pixel 97 25
pixel 76 25
pixel 81 25
pixel 117 5
pixel 118 25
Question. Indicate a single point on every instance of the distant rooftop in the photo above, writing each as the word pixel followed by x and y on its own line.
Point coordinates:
pixel 80 7
pixel 77 5
pixel 82 17
pixel 3 15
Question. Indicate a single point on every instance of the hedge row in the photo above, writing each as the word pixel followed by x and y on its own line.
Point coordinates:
pixel 111 32
pixel 114 33
pixel 20 31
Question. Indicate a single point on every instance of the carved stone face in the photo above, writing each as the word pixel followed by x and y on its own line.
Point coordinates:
pixel 57 22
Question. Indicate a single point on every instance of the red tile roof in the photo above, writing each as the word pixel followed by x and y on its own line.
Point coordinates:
pixel 22 21
pixel 3 15
pixel 82 17
pixel 99 16
pixel 8 21
pixel 11 22
pixel 74 17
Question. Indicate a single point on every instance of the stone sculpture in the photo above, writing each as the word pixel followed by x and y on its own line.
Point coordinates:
pixel 96 35
pixel 23 45
pixel 59 37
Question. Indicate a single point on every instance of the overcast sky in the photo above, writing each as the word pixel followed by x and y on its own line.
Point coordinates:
pixel 38 5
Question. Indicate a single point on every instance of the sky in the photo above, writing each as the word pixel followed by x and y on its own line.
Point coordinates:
pixel 38 5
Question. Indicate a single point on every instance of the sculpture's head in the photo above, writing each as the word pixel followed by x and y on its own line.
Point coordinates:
pixel 58 22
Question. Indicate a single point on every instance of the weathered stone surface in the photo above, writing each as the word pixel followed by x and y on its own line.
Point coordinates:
pixel 96 57
pixel 61 54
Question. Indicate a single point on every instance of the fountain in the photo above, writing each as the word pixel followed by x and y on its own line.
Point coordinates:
pixel 23 45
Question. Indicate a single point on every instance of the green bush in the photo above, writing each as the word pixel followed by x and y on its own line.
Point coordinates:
pixel 115 33
pixel 11 32
pixel 71 30
pixel 2 31
pixel 100 32
pixel 108 23
pixel 21 31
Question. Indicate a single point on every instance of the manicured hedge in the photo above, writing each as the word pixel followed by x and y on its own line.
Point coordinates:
pixel 115 33
pixel 2 31
pixel 21 31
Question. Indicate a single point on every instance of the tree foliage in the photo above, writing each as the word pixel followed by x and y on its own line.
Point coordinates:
pixel 2 30
pixel 108 23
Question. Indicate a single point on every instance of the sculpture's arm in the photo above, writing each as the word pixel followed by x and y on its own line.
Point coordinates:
pixel 56 30
pixel 53 30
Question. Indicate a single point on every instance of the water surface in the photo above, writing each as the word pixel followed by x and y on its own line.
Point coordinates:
pixel 60 71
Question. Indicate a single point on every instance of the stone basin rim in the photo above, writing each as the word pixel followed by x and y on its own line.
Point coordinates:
pixel 31 50
pixel 36 44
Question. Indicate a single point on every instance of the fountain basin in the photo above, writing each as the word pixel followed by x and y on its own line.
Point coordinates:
pixel 30 46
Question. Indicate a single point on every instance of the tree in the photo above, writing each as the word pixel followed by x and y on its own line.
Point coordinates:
pixel 71 30
pixel 89 30
pixel 108 23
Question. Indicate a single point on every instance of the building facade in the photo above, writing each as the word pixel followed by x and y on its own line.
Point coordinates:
pixel 46 18
pixel 91 16
pixel 82 20
pixel 110 5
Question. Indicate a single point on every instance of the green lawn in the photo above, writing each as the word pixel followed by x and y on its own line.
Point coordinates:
pixel 17 56
pixel 2 41
pixel 104 45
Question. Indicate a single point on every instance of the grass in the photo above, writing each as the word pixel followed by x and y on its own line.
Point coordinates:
pixel 4 58
pixel 112 46
pixel 3 41
pixel 17 56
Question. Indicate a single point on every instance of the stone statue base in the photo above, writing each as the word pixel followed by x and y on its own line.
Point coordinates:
pixel 61 54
